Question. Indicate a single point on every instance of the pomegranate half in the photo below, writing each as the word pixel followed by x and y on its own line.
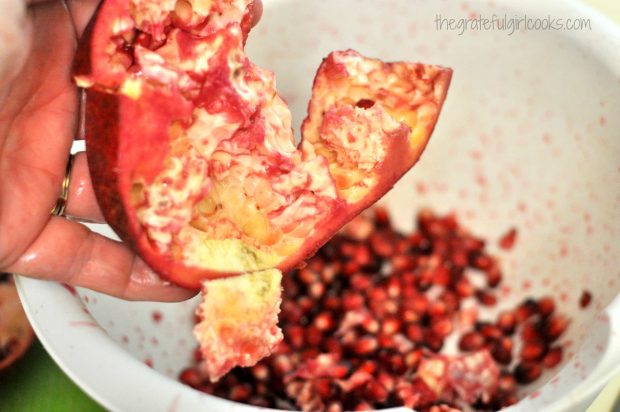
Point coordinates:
pixel 191 150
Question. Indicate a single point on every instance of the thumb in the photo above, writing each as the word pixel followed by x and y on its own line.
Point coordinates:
pixel 15 39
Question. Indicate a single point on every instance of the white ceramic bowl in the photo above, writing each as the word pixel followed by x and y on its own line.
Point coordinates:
pixel 528 138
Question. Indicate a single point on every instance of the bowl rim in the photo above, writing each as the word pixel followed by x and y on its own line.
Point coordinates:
pixel 45 319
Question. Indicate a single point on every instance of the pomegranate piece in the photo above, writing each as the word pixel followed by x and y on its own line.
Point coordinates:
pixel 471 376
pixel 239 317
pixel 16 335
pixel 190 147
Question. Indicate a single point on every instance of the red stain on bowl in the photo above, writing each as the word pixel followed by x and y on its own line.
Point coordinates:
pixel 70 289
pixel 157 316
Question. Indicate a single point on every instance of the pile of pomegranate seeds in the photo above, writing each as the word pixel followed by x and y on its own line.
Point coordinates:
pixel 364 323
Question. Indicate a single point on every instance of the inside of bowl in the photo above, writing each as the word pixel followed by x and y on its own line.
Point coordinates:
pixel 527 140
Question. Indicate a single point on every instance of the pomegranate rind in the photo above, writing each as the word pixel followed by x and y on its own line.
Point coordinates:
pixel 238 321
pixel 16 334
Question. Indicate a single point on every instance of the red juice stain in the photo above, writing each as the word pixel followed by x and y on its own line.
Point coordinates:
pixel 70 289
pixel 157 316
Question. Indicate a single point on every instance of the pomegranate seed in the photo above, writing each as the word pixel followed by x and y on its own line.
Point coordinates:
pixel 441 276
pixel 386 380
pixel 413 358
pixel 418 303
pixel 433 341
pixel 324 321
pixel 282 365
pixel 290 312
pixel 489 331
pixel 451 301
pixel 240 393
pixel 506 383
pixel 351 267
pixel 507 322
pixel 305 304
pixel 532 351
pixel 437 309
pixel 530 333
pixel 308 276
pixel 553 357
pixel 365 345
pixel 471 341
pixel 377 392
pixel 260 372
pixel 460 258
pixel 329 272
pixel 509 400
pixel 316 290
pixel 554 326
pixel 382 218
pixel 390 326
pixel 409 315
pixel 310 353
pixel 360 282
pixel 368 366
pixel 585 299
pixel 527 372
pixel 370 325
pixel 502 351
pixel 507 240
pixel 381 245
pixel 397 364
pixel 546 306
pixel 333 346
pixel 295 336
pixel 401 263
pixel 415 332
pixel 334 406
pixel 191 377
pixel 386 341
pixel 323 387
pixel 332 303
pixel 393 288
pixel 377 294
pixel 442 327
pixel 362 255
pixel 486 298
pixel 493 276
pixel 483 262
pixel 352 301
pixel 363 406
pixel 463 288
pixel 472 244
pixel 527 309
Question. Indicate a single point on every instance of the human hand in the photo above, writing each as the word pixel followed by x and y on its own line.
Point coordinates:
pixel 39 119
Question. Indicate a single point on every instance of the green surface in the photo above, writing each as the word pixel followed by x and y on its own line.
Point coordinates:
pixel 35 383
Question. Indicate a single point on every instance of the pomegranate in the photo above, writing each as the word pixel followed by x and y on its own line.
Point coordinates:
pixel 16 335
pixel 191 151
pixel 238 321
